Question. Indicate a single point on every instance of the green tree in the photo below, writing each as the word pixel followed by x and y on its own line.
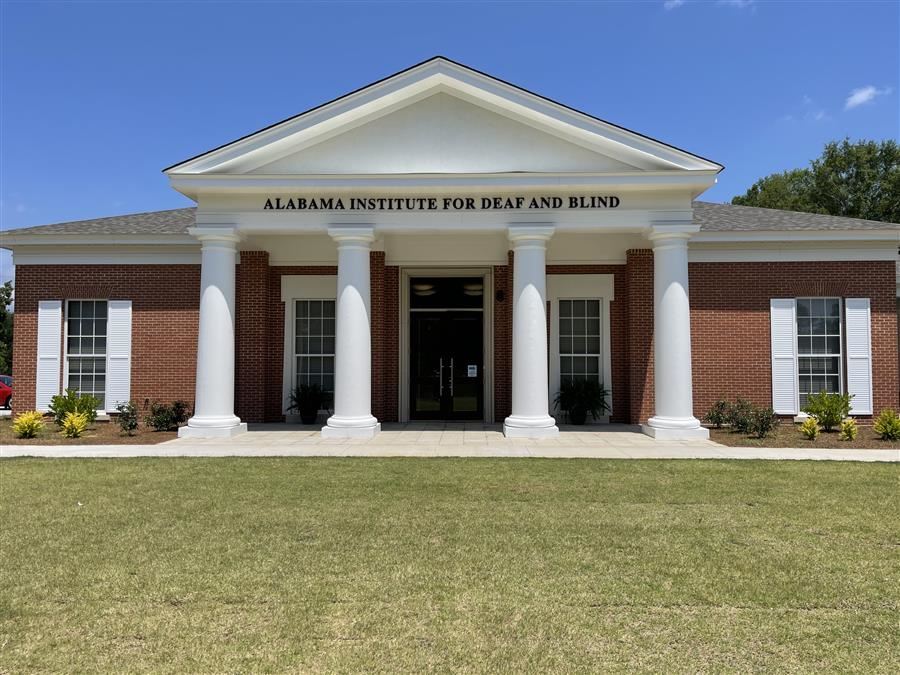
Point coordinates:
pixel 6 328
pixel 856 180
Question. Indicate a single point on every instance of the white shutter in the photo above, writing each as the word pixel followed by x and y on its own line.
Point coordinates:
pixel 49 346
pixel 118 353
pixel 859 355
pixel 785 394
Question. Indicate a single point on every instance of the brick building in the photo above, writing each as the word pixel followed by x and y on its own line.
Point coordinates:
pixel 445 245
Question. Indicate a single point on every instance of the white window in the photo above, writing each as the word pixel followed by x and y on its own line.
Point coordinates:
pixel 819 352
pixel 86 347
pixel 314 343
pixel 579 339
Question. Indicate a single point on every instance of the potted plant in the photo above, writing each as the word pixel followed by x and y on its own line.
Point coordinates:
pixel 579 397
pixel 308 399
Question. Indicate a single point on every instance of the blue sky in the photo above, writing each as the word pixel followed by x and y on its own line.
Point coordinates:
pixel 98 97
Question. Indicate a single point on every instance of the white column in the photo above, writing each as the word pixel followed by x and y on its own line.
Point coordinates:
pixel 214 401
pixel 353 342
pixel 530 416
pixel 674 410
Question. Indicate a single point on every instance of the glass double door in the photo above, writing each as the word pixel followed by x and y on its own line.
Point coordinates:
pixel 446 365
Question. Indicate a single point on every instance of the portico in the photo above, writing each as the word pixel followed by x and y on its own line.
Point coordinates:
pixel 441 170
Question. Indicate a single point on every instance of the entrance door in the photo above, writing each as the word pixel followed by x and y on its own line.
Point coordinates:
pixel 446 366
pixel 446 349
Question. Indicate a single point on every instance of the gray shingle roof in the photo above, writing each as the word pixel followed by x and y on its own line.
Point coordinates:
pixel 711 218
pixel 733 218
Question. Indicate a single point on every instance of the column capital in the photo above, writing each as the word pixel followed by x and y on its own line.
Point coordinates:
pixel 219 235
pixel 530 233
pixel 671 232
pixel 358 235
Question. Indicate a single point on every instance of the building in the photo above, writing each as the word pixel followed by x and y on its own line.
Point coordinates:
pixel 442 244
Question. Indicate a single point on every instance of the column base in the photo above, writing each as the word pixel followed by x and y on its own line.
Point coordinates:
pixel 675 429
pixel 212 427
pixel 530 427
pixel 351 427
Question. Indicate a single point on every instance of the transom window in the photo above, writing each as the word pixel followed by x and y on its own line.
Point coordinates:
pixel 818 346
pixel 579 340
pixel 314 342
pixel 86 347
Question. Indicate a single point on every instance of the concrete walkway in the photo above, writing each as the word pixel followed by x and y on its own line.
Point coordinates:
pixel 447 440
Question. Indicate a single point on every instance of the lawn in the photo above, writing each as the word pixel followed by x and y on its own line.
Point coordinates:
pixel 404 565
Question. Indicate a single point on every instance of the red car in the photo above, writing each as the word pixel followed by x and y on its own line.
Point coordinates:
pixel 5 391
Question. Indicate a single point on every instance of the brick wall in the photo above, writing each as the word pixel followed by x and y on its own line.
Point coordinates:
pixel 730 329
pixel 503 289
pixel 251 337
pixel 385 317
pixel 165 307
pixel 639 282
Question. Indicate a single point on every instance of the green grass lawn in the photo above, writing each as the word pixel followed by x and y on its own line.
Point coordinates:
pixel 432 564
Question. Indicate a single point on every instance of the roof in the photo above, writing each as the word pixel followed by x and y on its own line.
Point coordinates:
pixel 734 218
pixel 711 218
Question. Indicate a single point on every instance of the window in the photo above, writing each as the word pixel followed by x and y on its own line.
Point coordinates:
pixel 818 346
pixel 579 340
pixel 86 348
pixel 314 342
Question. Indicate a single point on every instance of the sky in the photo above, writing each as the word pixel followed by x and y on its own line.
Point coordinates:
pixel 96 98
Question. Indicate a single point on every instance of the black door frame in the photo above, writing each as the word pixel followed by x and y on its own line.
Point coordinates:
pixel 408 272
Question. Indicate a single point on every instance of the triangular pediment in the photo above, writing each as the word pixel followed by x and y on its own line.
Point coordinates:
pixel 441 117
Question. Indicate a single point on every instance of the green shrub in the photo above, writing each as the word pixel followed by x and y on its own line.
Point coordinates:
pixel 74 424
pixel 829 409
pixel 849 429
pixel 164 417
pixel 28 424
pixel 580 397
pixel 887 426
pixel 718 414
pixel 128 417
pixel 763 421
pixel 739 414
pixel 73 402
pixel 810 428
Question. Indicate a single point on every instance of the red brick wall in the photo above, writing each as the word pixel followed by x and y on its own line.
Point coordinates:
pixel 639 271
pixel 730 329
pixel 251 337
pixel 503 287
pixel 385 317
pixel 618 326
pixel 165 306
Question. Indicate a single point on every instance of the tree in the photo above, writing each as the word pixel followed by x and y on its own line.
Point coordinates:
pixel 6 328
pixel 856 180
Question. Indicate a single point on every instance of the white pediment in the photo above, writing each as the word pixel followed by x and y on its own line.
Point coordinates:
pixel 440 117
pixel 443 134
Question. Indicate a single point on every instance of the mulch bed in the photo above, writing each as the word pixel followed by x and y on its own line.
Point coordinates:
pixel 99 433
pixel 788 436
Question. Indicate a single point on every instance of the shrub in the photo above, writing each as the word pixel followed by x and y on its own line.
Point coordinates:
pixel 739 414
pixel 763 421
pixel 849 429
pixel 887 426
pixel 810 428
pixel 829 409
pixel 718 414
pixel 73 402
pixel 164 417
pixel 74 424
pixel 579 397
pixel 128 417
pixel 28 424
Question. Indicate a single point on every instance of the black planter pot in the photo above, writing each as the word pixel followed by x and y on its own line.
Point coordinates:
pixel 578 416
pixel 309 416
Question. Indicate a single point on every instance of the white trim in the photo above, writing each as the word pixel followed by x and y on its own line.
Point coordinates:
pixel 111 258
pixel 487 334
pixel 805 254
pixel 885 234
pixel 10 239
pixel 577 286
pixel 299 287
pixel 65 349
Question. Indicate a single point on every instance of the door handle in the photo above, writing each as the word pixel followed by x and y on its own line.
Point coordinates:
pixel 451 376
pixel 441 376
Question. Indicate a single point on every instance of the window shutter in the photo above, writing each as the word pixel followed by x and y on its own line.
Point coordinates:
pixel 785 394
pixel 49 347
pixel 118 353
pixel 859 355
